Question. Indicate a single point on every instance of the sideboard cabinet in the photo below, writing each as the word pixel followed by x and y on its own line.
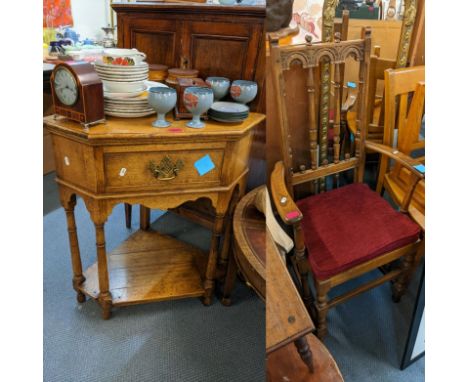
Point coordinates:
pixel 217 40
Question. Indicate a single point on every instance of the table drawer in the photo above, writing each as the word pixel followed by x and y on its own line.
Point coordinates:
pixel 74 162
pixel 153 168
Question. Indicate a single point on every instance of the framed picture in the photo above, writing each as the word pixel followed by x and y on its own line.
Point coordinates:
pixel 414 348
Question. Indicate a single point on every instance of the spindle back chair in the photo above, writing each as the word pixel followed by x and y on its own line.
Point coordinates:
pixel 342 233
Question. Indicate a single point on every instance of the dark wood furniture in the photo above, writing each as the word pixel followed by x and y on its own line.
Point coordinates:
pixel 248 247
pixel 287 319
pixel 129 161
pixel 217 40
pixel 293 353
pixel 344 232
pixel 284 364
pixel 287 322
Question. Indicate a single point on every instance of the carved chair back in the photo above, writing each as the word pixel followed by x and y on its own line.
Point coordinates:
pixel 304 110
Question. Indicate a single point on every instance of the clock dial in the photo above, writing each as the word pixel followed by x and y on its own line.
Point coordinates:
pixel 65 86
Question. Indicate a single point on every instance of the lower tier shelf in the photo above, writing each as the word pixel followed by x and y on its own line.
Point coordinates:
pixel 150 267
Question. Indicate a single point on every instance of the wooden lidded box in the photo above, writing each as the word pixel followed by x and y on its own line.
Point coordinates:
pixel 180 111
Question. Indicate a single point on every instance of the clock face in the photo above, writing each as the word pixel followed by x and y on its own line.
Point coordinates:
pixel 65 86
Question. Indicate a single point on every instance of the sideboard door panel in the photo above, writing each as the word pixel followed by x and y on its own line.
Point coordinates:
pixel 223 49
pixel 159 45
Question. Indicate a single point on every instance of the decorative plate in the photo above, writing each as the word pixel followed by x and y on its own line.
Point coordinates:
pixel 229 107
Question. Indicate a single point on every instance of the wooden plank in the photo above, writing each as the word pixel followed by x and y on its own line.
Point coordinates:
pixel 330 169
pixel 150 267
pixel 286 316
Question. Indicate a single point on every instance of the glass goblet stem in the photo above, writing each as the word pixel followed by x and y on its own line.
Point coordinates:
pixel 161 118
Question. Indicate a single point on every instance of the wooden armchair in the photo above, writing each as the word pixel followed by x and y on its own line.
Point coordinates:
pixel 345 232
pixel 404 104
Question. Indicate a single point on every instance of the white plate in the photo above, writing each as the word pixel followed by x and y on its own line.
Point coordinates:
pixel 139 99
pixel 128 107
pixel 123 87
pixel 129 115
pixel 122 78
pixel 118 96
pixel 124 102
pixel 121 73
pixel 101 64
pixel 229 107
pixel 154 84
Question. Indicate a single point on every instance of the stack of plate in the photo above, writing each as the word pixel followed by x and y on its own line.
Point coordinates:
pixel 122 81
pixel 228 112
pixel 129 107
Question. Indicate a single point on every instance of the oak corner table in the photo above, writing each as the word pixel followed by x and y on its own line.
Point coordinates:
pixel 129 161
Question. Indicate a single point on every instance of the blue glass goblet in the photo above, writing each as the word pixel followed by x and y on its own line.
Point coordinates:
pixel 162 100
pixel 197 100
pixel 220 86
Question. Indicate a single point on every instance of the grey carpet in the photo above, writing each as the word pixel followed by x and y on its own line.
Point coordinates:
pixel 167 341
pixel 367 334
pixel 185 341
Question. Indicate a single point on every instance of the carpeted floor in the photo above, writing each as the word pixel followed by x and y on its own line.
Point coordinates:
pixel 183 341
pixel 167 341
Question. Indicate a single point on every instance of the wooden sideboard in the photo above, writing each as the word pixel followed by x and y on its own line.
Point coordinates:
pixel 128 161
pixel 218 40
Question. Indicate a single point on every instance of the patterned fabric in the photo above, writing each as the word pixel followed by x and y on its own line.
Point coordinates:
pixel 57 13
pixel 349 226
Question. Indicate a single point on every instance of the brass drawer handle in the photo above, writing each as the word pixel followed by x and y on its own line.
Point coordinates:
pixel 167 169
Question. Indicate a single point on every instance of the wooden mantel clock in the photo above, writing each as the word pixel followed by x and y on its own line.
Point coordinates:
pixel 77 93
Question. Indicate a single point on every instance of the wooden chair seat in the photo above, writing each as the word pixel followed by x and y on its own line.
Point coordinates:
pixel 349 226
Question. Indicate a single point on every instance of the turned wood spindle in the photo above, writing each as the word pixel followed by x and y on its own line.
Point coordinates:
pixel 78 277
pixel 105 297
pixel 303 349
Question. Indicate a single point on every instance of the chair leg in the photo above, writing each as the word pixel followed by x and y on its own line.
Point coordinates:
pixel 402 281
pixel 128 215
pixel 321 307
pixel 303 270
pixel 302 265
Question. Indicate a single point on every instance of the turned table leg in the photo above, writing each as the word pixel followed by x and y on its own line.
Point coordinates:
pixel 304 351
pixel 144 218
pixel 229 280
pixel 105 297
pixel 224 257
pixel 78 277
pixel 128 215
pixel 212 259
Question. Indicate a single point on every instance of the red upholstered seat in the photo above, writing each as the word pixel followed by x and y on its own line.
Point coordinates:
pixel 349 226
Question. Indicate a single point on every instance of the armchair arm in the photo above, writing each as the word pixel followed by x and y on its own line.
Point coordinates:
pixel 417 216
pixel 284 202
pixel 403 159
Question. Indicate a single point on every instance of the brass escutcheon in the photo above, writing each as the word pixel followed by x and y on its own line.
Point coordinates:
pixel 167 169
